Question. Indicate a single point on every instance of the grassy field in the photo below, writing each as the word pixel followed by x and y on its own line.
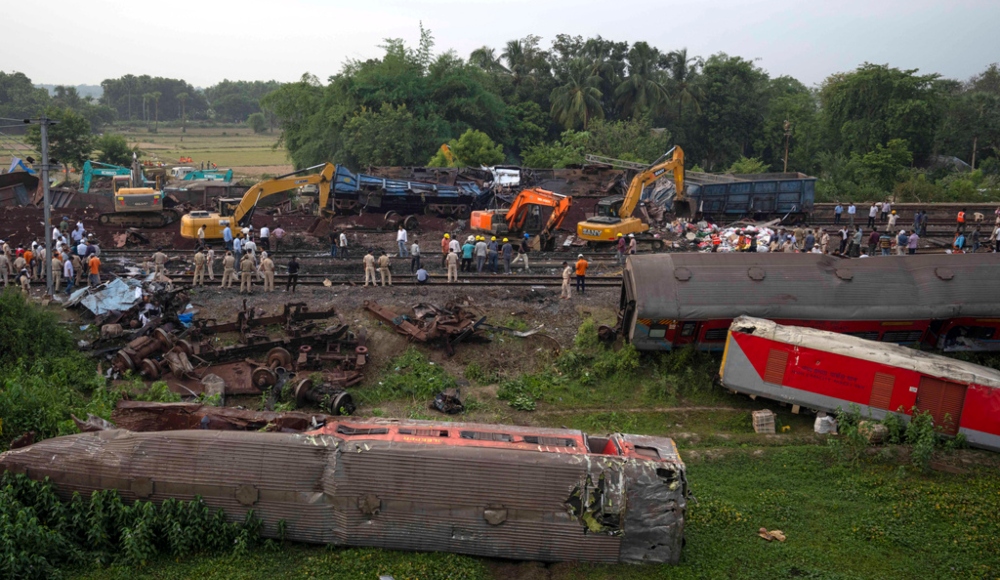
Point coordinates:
pixel 228 146
pixel 879 519
pixel 877 516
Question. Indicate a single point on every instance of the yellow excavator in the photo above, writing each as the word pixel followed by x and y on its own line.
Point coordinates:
pixel 238 212
pixel 614 214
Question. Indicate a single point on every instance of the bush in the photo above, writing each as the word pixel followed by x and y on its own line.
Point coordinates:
pixel 39 534
pixel 413 377
pixel 920 434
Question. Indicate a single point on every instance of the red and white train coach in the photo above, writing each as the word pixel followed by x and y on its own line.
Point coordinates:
pixel 824 370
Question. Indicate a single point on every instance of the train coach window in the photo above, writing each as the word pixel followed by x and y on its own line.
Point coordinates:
pixel 716 334
pixel 550 441
pixel 688 328
pixel 867 335
pixel 486 436
pixel 346 430
pixel 903 336
pixel 424 432
pixel 657 332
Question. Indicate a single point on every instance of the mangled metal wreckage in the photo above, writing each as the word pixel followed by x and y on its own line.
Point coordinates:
pixel 490 490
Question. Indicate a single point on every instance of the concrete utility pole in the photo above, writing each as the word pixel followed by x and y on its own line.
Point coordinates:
pixel 44 123
pixel 788 136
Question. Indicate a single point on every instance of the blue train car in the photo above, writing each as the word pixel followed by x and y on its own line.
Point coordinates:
pixel 759 196
pixel 353 192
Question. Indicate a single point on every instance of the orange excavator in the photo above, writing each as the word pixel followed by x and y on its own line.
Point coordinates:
pixel 515 218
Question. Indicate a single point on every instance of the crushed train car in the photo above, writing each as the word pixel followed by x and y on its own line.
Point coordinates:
pixel 670 301
pixel 500 491
pixel 823 371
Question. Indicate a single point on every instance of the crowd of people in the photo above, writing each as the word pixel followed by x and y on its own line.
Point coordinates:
pixel 75 254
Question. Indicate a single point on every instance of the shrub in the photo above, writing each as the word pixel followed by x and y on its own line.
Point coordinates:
pixel 413 377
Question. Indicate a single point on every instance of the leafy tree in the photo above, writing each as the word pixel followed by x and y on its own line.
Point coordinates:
pixel 877 103
pixel 70 139
pixel 790 101
pixel 642 92
pixel 183 97
pixel 373 138
pixel 257 122
pixel 19 99
pixel 682 82
pixel 629 140
pixel 747 165
pixel 885 164
pixel 237 100
pixel 472 149
pixel 118 95
pixel 578 99
pixel 568 150
pixel 113 149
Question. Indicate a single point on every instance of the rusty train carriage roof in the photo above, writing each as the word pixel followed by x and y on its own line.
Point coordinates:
pixel 700 286
pixel 497 502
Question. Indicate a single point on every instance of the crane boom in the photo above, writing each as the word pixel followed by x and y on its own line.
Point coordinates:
pixel 653 173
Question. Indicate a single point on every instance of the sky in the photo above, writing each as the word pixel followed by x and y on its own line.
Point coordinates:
pixel 205 42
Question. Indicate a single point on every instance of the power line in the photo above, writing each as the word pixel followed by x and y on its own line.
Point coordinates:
pixel 21 121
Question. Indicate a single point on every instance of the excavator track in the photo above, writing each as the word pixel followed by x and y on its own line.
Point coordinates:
pixel 139 219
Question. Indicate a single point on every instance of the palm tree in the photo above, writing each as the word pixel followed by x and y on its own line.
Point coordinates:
pixel 578 99
pixel 129 82
pixel 182 97
pixel 486 58
pixel 683 80
pixel 641 91
pixel 146 97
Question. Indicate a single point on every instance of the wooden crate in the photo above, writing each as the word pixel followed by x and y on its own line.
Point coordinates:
pixel 763 421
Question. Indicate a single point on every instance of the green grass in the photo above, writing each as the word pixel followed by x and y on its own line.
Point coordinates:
pixel 226 146
pixel 878 520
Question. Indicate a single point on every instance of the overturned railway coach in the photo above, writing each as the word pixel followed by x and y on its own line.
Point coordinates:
pixel 824 370
pixel 491 490
pixel 939 301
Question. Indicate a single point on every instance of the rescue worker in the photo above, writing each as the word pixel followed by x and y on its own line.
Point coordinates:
pixel 522 253
pixel 57 270
pixel 246 274
pixel 228 270
pixel 68 272
pixel 492 252
pixel 716 242
pixel 507 251
pixel 467 249
pixel 622 247
pixel 872 212
pixel 369 261
pixel 892 221
pixel 78 268
pixel 209 261
pixel 293 274
pixel 201 237
pixel 265 238
pixel 383 267
pixel 401 241
pixel 581 274
pixel 94 264
pixel 824 241
pixel 415 256
pixel 632 245
pixel 5 267
pixel 278 234
pixel 480 253
pixel 343 246
pixel 227 238
pixel 29 261
pixel 452 265
pixel 24 277
pixel 960 219
pixel 445 242
pixel 159 261
pixel 886 210
pixel 566 274
pixel 199 269
pixel 267 267
pixel 901 240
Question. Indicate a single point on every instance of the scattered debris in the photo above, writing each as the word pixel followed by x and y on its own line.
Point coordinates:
pixel 449 325
pixel 449 402
pixel 763 421
pixel 772 535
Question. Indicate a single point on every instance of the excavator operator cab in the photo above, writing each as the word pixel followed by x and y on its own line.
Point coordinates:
pixel 607 210
pixel 227 205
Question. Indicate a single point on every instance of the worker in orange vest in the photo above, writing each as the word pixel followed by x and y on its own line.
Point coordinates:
pixel 716 242
pixel 581 274
pixel 961 221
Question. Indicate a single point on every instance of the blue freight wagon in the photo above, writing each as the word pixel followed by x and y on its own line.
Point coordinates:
pixel 760 196
pixel 353 192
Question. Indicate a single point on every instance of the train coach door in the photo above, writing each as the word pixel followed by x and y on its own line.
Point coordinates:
pixel 941 398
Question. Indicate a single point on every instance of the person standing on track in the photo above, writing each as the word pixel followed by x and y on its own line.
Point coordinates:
pixel 343 246
pixel 369 261
pixel 621 247
pixel 886 210
pixel 401 242
pixel 277 234
pixel 209 263
pixel 901 241
pixel 201 237
pixel 522 253
pixel 507 251
pixel 265 238
pixel 267 266
pixel 415 256
pixel 632 245
pixel 581 274
pixel 452 259
pixel 67 273
pixel 94 264
pixel 383 267
pixel 493 250
pixel 480 253
pixel 334 238
pixel 445 244
pixel 912 242
pixel 960 221
pixel 566 274
pixel 293 275
pixel 852 210
pixel 247 268
pixel 872 212
pixel 467 249
pixel 199 269
pixel 837 212
pixel 228 270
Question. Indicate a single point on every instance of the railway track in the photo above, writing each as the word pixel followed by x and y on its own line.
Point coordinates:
pixel 409 280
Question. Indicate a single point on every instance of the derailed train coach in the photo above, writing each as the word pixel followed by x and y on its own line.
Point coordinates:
pixel 939 301
pixel 489 490
pixel 824 371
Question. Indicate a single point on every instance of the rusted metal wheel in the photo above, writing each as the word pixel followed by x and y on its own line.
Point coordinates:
pixel 278 356
pixel 411 222
pixel 185 346
pixel 342 404
pixel 150 369
pixel 301 389
pixel 262 378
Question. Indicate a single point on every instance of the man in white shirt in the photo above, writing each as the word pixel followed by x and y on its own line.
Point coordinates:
pixel 851 212
pixel 68 275
pixel 872 212
pixel 265 238
pixel 401 241
pixel 342 250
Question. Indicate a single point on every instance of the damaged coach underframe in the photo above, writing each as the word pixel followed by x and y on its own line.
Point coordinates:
pixel 489 490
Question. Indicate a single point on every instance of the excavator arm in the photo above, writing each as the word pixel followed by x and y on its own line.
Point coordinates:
pixel 243 211
pixel 654 173
pixel 518 212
